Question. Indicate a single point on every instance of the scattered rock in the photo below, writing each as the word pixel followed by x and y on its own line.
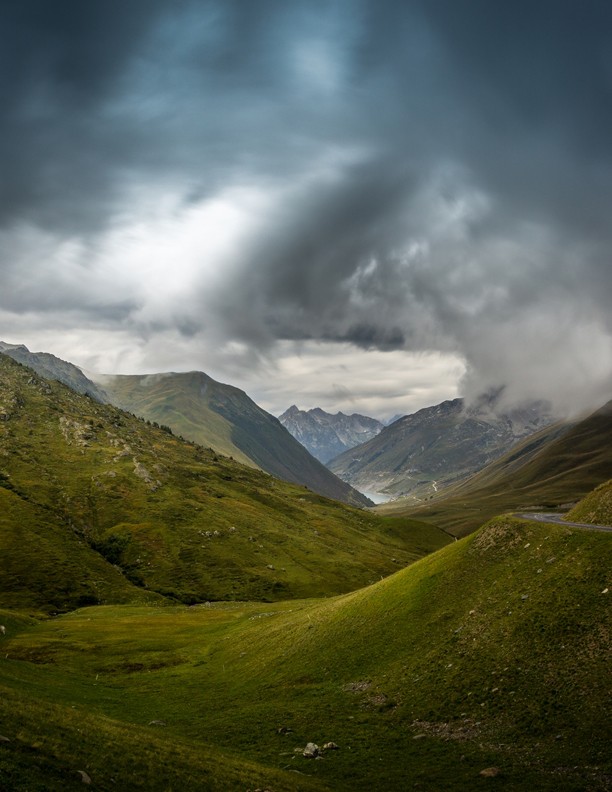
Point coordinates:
pixel 3 738
pixel 311 751
pixel 330 746
pixel 157 723
pixel 419 736
pixel 490 772
pixel 284 730
pixel 84 777
pixel 605 591
pixel 524 597
pixel 357 687
pixel 2 629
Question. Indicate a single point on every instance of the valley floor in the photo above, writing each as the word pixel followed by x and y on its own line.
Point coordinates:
pixel 489 655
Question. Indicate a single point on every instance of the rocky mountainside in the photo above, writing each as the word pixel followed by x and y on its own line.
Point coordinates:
pixel 54 368
pixel 224 418
pixel 420 454
pixel 549 470
pixel 326 435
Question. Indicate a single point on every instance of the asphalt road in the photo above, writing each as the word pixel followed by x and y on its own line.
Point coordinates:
pixel 555 518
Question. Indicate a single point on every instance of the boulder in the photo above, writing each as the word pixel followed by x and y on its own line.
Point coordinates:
pixel 311 751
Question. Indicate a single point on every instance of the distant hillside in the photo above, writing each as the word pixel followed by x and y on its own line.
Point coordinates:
pixel 326 435
pixel 483 666
pixel 97 507
pixel 422 453
pixel 554 467
pixel 55 368
pixel 224 418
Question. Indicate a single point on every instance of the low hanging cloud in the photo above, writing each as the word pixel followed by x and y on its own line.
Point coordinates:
pixel 238 177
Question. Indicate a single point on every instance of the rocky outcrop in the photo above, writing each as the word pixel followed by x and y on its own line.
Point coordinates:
pixel 421 453
pixel 54 368
pixel 326 435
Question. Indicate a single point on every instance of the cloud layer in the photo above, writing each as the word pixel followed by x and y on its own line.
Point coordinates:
pixel 226 181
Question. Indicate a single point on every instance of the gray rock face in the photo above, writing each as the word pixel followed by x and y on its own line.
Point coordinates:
pixel 326 435
pixel 54 368
pixel 421 453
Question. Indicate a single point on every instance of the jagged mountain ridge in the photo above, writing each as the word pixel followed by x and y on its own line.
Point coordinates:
pixel 325 435
pixel 223 417
pixel 54 368
pixel 421 453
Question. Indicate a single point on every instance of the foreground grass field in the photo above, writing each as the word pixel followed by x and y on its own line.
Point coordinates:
pixel 491 653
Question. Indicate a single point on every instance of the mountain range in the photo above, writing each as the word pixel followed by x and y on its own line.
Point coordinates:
pixel 551 469
pixel 422 453
pixel 325 435
pixel 208 412
pixel 223 417
pixel 172 618
pixel 97 506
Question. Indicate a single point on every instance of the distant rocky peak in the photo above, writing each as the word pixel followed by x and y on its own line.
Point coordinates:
pixel 326 435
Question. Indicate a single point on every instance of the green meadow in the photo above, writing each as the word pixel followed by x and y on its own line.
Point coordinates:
pixel 488 653
pixel 174 620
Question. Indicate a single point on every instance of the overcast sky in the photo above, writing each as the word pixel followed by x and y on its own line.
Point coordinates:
pixel 366 205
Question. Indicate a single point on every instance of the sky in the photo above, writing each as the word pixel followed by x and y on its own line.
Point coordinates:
pixel 362 205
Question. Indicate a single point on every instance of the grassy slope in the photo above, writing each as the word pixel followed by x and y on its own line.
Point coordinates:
pixel 226 419
pixel 557 465
pixel 491 652
pixel 596 508
pixel 93 501
pixel 180 401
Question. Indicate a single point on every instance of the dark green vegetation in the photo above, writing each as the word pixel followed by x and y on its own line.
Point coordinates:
pixel 489 653
pixel 422 453
pixel 224 418
pixel 98 507
pixel 552 468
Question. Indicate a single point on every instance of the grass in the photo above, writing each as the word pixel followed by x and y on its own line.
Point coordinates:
pixel 226 419
pixel 490 652
pixel 98 507
pixel 596 507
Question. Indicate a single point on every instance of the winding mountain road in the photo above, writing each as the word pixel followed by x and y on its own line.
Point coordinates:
pixel 557 519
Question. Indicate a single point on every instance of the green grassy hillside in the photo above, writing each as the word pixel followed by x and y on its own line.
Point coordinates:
pixel 98 507
pixel 224 418
pixel 596 507
pixel 491 653
pixel 556 466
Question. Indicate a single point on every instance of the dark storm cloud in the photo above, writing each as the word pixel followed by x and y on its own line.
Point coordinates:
pixel 443 169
